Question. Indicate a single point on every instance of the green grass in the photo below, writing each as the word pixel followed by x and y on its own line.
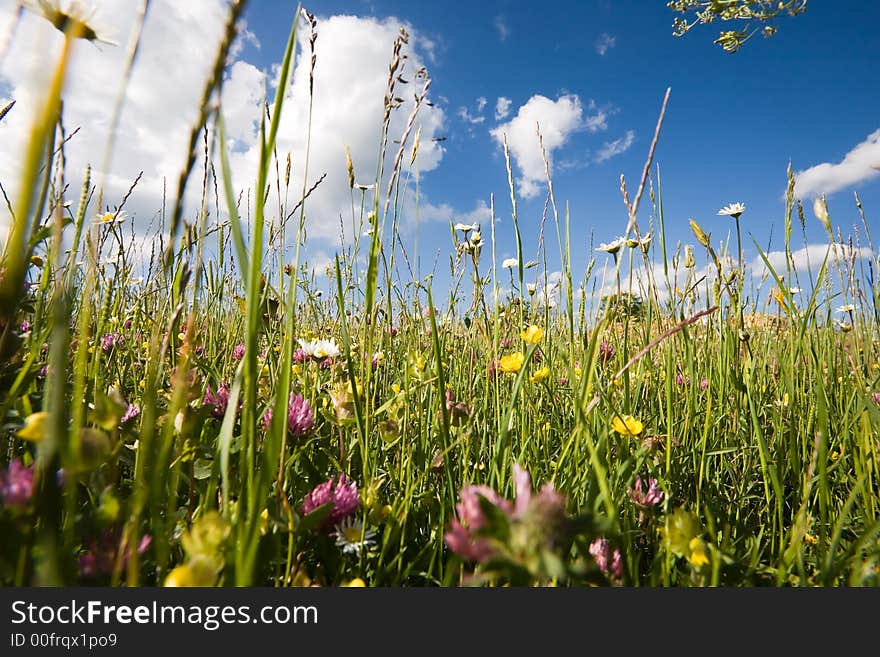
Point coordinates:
pixel 758 421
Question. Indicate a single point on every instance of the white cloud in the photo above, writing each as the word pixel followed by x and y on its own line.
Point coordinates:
pixel 808 258
pixel 501 26
pixel 604 43
pixel 612 148
pixel 177 51
pixel 178 47
pixel 474 119
pixel 502 108
pixel 860 164
pixel 350 80
pixel 557 120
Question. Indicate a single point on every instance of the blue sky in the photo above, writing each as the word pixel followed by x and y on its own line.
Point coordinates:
pixel 808 95
pixel 733 124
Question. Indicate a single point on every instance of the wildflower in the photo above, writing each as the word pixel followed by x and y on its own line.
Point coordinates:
pixel 238 351
pixel 606 351
pixel 218 401
pixel 733 210
pixel 300 416
pixel 320 349
pixel 540 375
pixel 809 539
pixel 71 21
pixel 110 340
pixel 848 308
pixel 197 572
pixel 875 397
pixel 510 263
pixel 36 427
pixel 101 555
pixel 601 551
pixel 652 497
pixel 704 383
pixel 337 491
pixel 532 335
pixel 130 414
pixel 16 484
pixel 377 359
pixel 352 538
pixel 111 218
pixel 697 555
pixel 24 327
pixel 466 228
pixel 531 288
pixel 512 363
pixel 627 425
pixel 538 516
pixel 357 582
pixel 613 247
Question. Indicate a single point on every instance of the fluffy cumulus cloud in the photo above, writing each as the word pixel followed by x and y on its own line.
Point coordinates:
pixel 178 47
pixel 862 163
pixel 177 50
pixel 351 76
pixel 809 258
pixel 557 120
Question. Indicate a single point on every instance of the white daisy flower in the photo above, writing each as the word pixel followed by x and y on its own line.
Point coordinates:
pixel 111 217
pixel 352 538
pixel 733 210
pixel 510 263
pixel 320 349
pixel 848 308
pixel 467 227
pixel 613 247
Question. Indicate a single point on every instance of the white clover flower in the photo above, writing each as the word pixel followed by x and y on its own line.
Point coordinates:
pixel 733 210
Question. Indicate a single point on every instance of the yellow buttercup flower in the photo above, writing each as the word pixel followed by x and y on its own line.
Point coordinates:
pixel 627 425
pixel 512 362
pixel 697 556
pixel 540 376
pixel 357 582
pixel 35 428
pixel 810 539
pixel 532 335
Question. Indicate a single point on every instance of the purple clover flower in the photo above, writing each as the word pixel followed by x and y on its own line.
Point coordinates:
pixel 652 497
pixel 218 401
pixel 300 416
pixel 131 413
pixel 606 351
pixel 16 484
pixel 338 491
pixel 610 563
pixel 110 340
pixel 238 351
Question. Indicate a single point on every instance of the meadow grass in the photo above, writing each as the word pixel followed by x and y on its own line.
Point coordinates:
pixel 205 415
